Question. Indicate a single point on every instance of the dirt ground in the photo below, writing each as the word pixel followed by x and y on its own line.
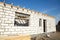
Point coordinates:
pixel 51 36
pixel 56 36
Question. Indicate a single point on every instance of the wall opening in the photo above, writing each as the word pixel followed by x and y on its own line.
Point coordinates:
pixel 40 22
pixel 21 19
pixel 44 25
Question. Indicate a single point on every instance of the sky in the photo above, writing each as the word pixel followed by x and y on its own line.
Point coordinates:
pixel 50 7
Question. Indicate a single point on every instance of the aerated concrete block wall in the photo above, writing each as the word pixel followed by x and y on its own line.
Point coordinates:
pixel 6 18
pixel 7 15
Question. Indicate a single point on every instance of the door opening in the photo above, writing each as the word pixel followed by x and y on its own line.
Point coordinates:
pixel 44 25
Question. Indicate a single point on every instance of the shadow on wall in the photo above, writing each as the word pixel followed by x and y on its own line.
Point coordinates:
pixel 58 26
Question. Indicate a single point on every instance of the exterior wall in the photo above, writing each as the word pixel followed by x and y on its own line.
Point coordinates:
pixel 50 22
pixel 51 26
pixel 6 18
pixel 7 15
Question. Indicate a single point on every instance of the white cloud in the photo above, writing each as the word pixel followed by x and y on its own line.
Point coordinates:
pixel 48 10
pixel 57 17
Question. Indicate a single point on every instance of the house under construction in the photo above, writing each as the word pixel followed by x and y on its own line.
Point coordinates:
pixel 23 24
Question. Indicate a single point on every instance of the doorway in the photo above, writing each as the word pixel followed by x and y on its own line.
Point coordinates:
pixel 44 25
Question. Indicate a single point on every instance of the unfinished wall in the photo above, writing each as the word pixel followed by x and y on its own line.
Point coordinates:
pixel 6 18
pixel 7 15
